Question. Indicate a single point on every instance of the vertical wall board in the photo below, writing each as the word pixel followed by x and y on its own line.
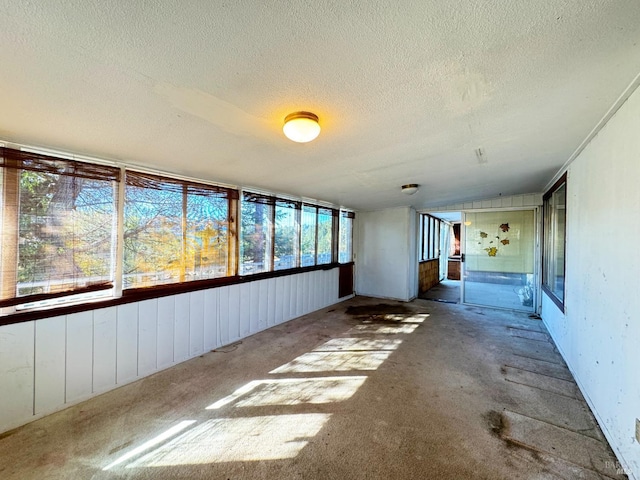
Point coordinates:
pixel 286 295
pixel 196 323
pixel 263 304
pixel 254 314
pixel 166 333
pixel 16 374
pixel 147 337
pixel 244 308
pixel 210 314
pixel 293 297
pixel 50 369
pixel 223 315
pixel 79 353
pixel 127 343
pixel 279 300
pixel 304 281
pixel 271 302
pixel 311 287
pixel 181 328
pixel 234 312
pixel 290 298
pixel 104 349
pixel 299 295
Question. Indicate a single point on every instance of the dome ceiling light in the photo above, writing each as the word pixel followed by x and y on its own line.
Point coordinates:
pixel 301 127
pixel 409 188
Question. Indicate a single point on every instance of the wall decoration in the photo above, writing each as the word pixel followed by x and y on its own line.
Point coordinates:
pixel 492 251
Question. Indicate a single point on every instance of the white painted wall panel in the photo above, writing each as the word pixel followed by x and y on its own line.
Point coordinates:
pixel 147 337
pixel 598 334
pixel 166 331
pixel 304 282
pixel 279 299
pixel 263 305
pixel 223 315
pixel 79 352
pixel 286 298
pixel 271 297
pixel 196 323
pixel 383 258
pixel 244 318
pixel 50 363
pixel 210 313
pixel 299 283
pixel 254 306
pixel 50 368
pixel 127 343
pixel 181 328
pixel 234 313
pixel 16 374
pixel 104 349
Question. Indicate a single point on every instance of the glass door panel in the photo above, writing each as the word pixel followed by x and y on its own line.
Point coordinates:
pixel 499 265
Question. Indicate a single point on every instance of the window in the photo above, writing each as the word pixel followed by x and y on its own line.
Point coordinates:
pixel 256 234
pixel 554 232
pixel 308 236
pixel 430 226
pixel 67 238
pixel 345 243
pixel 58 227
pixel 174 231
pixel 287 219
pixel 325 236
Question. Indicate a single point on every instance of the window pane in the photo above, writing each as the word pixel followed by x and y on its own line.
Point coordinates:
pixel 325 236
pixel 174 231
pixel 554 241
pixel 255 244
pixel 345 244
pixel 66 231
pixel 152 237
pixel 286 235
pixel 308 236
pixel 207 245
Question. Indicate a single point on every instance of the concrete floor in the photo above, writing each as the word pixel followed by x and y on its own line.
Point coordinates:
pixel 447 291
pixel 361 390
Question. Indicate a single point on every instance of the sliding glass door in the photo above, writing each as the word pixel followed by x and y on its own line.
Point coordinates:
pixel 499 259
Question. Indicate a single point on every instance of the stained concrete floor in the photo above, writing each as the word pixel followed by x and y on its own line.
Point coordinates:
pixel 361 390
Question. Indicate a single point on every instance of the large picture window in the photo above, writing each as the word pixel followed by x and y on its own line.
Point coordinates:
pixel 308 236
pixel 553 257
pixel 58 227
pixel 174 231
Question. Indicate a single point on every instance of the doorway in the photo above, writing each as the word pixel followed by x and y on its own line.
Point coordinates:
pixel 498 260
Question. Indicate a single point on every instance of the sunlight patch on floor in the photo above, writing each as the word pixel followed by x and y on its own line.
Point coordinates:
pixel 334 362
pixel 220 440
pixel 358 344
pixel 293 391
pixel 404 328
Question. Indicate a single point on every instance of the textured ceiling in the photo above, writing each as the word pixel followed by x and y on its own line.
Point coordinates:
pixel 406 91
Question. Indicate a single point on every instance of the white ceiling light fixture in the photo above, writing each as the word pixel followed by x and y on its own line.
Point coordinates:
pixel 410 188
pixel 301 127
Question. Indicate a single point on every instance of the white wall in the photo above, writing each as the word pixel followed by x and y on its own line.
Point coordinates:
pixel 47 365
pixel 599 335
pixel 386 259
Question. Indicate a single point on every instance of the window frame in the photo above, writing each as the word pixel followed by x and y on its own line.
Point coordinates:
pixel 104 296
pixel 430 228
pixel 549 259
